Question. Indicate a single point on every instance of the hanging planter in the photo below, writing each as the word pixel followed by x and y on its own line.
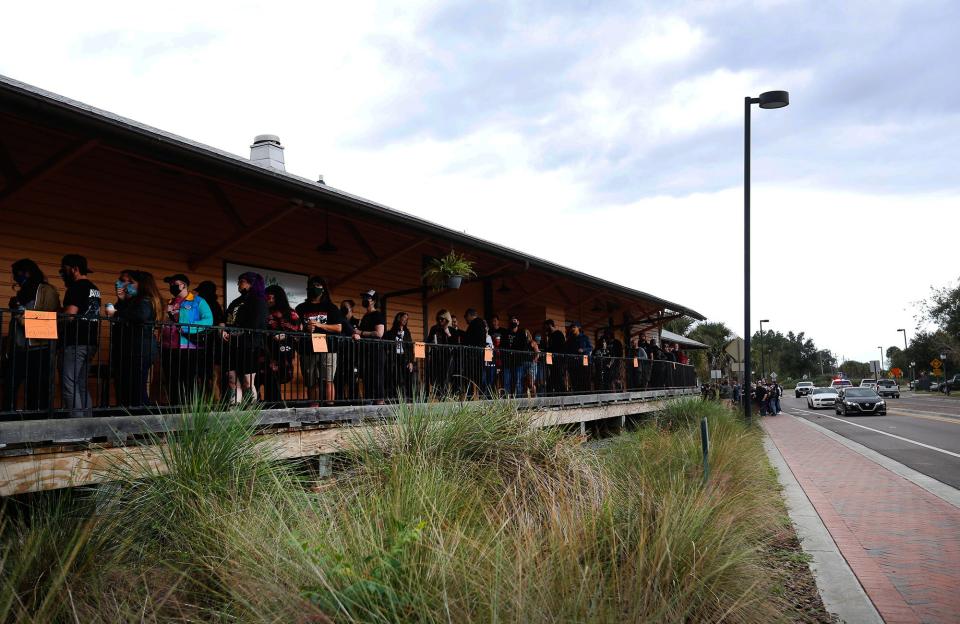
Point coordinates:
pixel 448 272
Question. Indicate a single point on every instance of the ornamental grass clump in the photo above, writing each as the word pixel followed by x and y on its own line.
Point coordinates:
pixel 447 512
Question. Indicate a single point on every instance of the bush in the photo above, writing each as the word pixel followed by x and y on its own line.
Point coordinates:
pixel 454 512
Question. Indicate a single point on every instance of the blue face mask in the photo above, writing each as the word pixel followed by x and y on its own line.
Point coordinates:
pixel 132 290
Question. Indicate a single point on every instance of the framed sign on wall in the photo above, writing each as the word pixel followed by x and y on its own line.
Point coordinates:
pixel 295 284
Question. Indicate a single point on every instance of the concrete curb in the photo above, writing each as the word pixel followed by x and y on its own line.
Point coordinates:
pixel 839 588
pixel 939 489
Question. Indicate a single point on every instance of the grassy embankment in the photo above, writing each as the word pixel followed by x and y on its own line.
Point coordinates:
pixel 466 516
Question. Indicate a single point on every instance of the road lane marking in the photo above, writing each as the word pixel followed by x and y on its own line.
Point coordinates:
pixel 927 446
pixel 954 421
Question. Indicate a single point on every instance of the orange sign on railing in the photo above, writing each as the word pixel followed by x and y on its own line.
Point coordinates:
pixel 636 362
pixel 488 354
pixel 549 358
pixel 40 325
pixel 420 350
pixel 319 343
pixel 586 360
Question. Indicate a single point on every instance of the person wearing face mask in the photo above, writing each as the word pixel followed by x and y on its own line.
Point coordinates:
pixel 81 334
pixel 319 315
pixel 28 361
pixel 185 317
pixel 246 336
pixel 439 354
pixel 372 351
pixel 346 378
pixel 132 344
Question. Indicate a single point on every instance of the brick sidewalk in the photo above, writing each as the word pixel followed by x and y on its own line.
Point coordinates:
pixel 902 542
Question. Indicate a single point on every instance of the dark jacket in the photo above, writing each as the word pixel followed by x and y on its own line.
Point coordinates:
pixel 579 345
pixel 476 334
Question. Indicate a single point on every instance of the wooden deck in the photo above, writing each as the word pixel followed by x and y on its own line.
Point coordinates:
pixel 52 454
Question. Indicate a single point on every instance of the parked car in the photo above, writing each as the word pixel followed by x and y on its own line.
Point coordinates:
pixel 888 387
pixel 838 384
pixel 860 401
pixel 803 388
pixel 868 383
pixel 934 386
pixel 913 384
pixel 953 384
pixel 822 397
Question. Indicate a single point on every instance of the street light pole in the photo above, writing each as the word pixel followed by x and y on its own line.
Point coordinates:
pixel 880 365
pixel 912 374
pixel 770 99
pixel 763 343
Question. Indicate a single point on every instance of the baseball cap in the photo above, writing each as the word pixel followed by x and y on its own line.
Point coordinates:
pixel 370 294
pixel 177 277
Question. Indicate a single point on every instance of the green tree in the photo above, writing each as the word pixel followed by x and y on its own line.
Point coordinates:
pixel 716 336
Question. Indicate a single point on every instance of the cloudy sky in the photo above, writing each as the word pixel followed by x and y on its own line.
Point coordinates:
pixel 606 136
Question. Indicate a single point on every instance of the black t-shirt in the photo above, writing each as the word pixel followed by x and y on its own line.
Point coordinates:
pixel 370 321
pixel 83 329
pixel 476 334
pixel 511 340
pixel 557 341
pixel 324 313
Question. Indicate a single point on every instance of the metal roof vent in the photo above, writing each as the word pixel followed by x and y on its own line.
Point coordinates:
pixel 267 152
pixel 320 179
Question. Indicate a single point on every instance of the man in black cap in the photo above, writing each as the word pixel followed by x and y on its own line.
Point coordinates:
pixel 81 335
pixel 319 315
pixel 556 345
pixel 372 355
pixel 578 346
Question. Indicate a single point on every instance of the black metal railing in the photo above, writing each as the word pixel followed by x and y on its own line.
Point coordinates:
pixel 103 366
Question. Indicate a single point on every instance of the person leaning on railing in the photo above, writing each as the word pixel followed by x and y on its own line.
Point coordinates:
pixel 80 335
pixel 439 354
pixel 319 315
pixel 372 353
pixel 277 370
pixel 133 345
pixel 27 362
pixel 180 358
pixel 578 345
pixel 400 360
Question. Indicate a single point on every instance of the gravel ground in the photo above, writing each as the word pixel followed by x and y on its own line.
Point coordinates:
pixel 792 566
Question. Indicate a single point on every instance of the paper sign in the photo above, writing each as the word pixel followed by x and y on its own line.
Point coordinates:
pixel 586 360
pixel 549 358
pixel 319 343
pixel 488 355
pixel 636 362
pixel 41 325
pixel 420 350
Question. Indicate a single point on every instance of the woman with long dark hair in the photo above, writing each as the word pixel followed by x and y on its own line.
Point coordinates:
pixel 28 361
pixel 246 324
pixel 133 346
pixel 400 358
pixel 278 370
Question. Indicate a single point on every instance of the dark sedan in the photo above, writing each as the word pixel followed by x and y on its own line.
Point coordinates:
pixel 860 401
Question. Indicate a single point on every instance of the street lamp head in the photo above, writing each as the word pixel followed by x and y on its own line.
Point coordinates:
pixel 764 320
pixel 901 330
pixel 774 99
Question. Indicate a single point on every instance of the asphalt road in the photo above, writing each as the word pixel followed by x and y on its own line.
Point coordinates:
pixel 919 431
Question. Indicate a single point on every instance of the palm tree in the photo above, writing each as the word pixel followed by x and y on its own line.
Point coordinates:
pixel 716 336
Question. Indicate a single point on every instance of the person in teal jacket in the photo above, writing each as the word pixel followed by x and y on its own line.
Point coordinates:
pixel 181 356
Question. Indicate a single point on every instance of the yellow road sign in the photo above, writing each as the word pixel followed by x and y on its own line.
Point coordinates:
pixel 936 363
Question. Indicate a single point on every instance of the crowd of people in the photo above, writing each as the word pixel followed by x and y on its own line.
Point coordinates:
pixel 254 348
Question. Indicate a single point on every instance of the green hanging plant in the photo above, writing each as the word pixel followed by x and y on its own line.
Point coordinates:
pixel 448 271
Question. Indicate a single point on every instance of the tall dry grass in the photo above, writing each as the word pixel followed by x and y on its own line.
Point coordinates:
pixel 457 513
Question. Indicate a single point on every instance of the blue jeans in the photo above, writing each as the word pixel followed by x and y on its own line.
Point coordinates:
pixel 512 379
pixel 74 370
pixel 775 404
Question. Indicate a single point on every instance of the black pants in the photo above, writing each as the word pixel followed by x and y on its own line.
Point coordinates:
pixel 29 368
pixel 130 371
pixel 372 367
pixel 181 371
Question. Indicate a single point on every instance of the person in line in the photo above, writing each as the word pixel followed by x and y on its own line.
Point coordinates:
pixel 400 361
pixel 319 315
pixel 776 391
pixel 439 354
pixel 186 317
pixel 578 345
pixel 601 364
pixel 635 353
pixel 556 345
pixel 530 354
pixel 81 334
pixel 489 368
pixel 347 351
pixel 28 360
pixel 211 346
pixel 133 345
pixel 497 334
pixel 278 370
pixel 474 338
pixel 512 342
pixel 372 358
pixel 245 335
pixel 615 370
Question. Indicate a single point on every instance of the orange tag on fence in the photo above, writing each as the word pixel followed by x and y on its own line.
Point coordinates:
pixel 488 354
pixel 319 343
pixel 636 362
pixel 40 325
pixel 549 358
pixel 586 360
pixel 420 350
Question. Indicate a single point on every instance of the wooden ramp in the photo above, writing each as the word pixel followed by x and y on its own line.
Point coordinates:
pixel 52 454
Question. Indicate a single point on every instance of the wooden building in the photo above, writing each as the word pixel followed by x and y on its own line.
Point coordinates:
pixel 75 179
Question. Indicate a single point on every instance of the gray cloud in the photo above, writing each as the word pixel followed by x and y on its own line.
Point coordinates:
pixel 881 109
